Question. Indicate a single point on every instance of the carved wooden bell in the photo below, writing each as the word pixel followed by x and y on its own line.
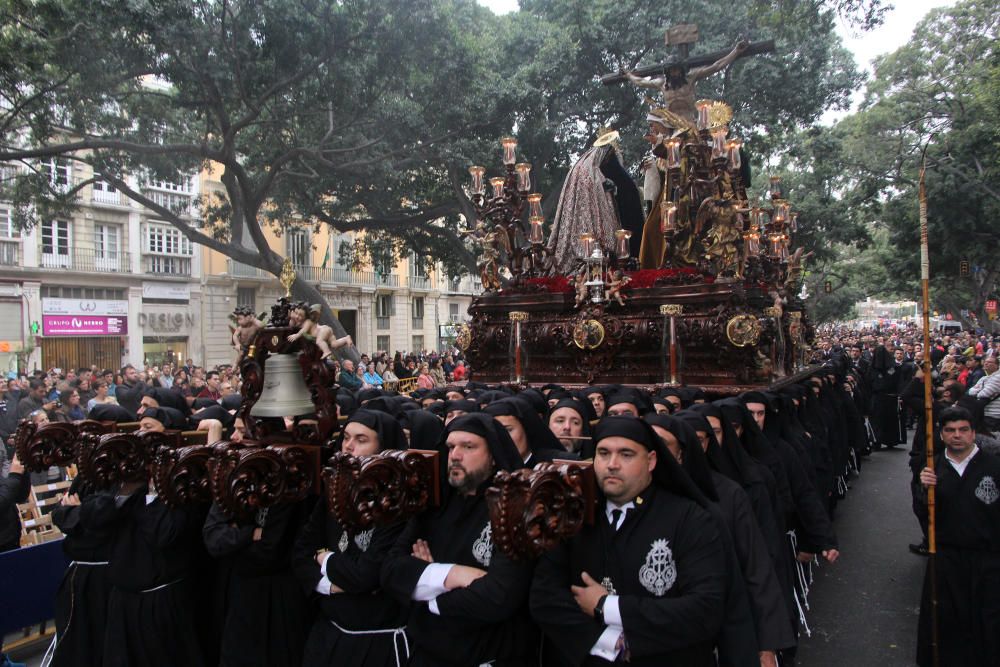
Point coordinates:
pixel 285 393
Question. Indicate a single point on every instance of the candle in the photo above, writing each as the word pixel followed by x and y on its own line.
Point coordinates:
pixel 673 147
pixel 536 235
pixel 622 237
pixel 535 205
pixel 734 154
pixel 586 244
pixel 719 141
pixel 523 170
pixel 779 211
pixel 703 119
pixel 497 184
pixel 509 144
pixel 795 222
pixel 751 241
pixel 477 179
pixel 668 217
pixel 776 187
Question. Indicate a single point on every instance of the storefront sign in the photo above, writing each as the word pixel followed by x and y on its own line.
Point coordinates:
pixel 83 325
pixel 169 291
pixel 86 307
pixel 166 322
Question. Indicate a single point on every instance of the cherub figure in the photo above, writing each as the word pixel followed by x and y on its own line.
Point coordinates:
pixel 247 326
pixel 580 283
pixel 615 286
pixel 307 319
pixel 490 243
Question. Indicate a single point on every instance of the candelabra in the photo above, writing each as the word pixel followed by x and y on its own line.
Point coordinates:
pixel 502 211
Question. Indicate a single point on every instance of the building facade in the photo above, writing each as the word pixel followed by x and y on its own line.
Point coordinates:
pixel 106 285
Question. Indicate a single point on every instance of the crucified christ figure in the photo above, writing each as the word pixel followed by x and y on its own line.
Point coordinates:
pixel 677 84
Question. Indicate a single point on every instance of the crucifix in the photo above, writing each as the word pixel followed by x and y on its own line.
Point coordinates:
pixel 676 80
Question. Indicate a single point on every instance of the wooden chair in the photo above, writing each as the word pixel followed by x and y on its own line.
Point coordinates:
pixel 45 497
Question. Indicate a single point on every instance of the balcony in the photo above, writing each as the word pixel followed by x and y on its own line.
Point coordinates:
pixel 418 282
pixel 417 322
pixel 465 285
pixel 86 259
pixel 241 270
pixel 167 265
pixel 332 275
pixel 103 197
pixel 10 253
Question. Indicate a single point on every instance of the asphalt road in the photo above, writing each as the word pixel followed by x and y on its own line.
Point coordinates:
pixel 863 609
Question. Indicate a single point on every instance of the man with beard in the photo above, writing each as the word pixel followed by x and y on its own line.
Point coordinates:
pixel 646 582
pixel 569 420
pixel 468 599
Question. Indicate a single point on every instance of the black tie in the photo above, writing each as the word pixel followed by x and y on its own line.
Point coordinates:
pixel 615 515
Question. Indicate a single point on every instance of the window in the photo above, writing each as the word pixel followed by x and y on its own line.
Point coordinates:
pixel 417 312
pixel 246 297
pixel 384 309
pixel 104 192
pixel 298 247
pixel 59 172
pixel 382 343
pixel 90 293
pixel 166 240
pixel 453 314
pixel 416 266
pixel 418 344
pixel 107 247
pixel 55 244
pixel 7 228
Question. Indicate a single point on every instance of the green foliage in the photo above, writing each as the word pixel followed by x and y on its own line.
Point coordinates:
pixel 934 97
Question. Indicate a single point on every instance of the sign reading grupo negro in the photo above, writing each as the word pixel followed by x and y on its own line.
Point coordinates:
pixel 174 321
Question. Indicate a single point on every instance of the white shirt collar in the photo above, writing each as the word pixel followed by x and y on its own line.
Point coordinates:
pixel 961 466
pixel 610 507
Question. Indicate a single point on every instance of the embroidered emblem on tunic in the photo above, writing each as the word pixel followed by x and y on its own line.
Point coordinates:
pixel 342 545
pixel 987 490
pixel 482 548
pixel 364 538
pixel 660 572
pixel 609 586
pixel 261 518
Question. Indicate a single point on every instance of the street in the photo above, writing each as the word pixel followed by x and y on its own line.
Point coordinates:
pixel 864 608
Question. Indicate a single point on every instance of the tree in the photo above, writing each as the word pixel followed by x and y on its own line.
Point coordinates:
pixel 365 115
pixel 342 113
pixel 935 98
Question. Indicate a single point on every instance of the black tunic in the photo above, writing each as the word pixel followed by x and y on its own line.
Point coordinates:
pixel 675 624
pixel 265 614
pixel 486 621
pixel 771 615
pixel 152 608
pixel 354 566
pixel 967 564
pixel 81 606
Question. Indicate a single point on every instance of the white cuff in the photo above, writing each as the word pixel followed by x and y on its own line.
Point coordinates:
pixel 612 614
pixel 431 582
pixel 323 587
pixel 433 606
pixel 607 644
pixel 150 497
pixel 322 566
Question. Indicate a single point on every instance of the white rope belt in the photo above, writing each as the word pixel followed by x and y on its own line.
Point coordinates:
pixel 162 586
pixel 395 633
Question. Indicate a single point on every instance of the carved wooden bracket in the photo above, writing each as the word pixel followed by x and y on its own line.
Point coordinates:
pixel 380 489
pixel 248 477
pixel 117 458
pixel 531 511
pixel 181 474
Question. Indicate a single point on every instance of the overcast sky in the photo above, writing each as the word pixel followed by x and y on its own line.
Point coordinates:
pixel 895 32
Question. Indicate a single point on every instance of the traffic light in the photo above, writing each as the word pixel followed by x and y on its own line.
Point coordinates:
pixel 963 268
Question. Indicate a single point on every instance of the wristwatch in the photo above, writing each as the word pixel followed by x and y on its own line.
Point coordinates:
pixel 599 609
